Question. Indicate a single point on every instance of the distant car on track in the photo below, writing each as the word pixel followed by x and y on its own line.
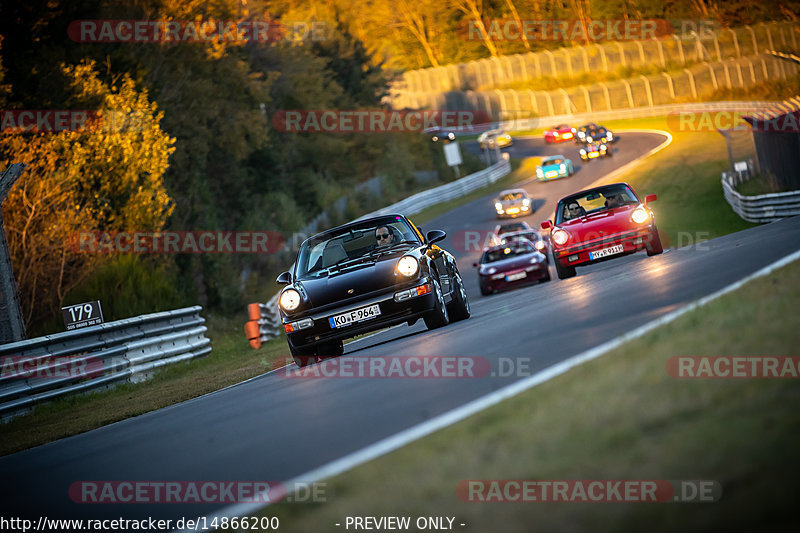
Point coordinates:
pixel 531 235
pixel 489 138
pixel 592 132
pixel 345 283
pixel 442 135
pixel 553 167
pixel 512 203
pixel 560 133
pixel 599 224
pixel 507 265
pixel 595 150
pixel 508 227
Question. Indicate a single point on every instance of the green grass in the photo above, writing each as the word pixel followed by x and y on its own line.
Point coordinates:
pixel 617 417
pixel 759 185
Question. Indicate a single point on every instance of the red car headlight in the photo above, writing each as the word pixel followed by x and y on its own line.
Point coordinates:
pixel 560 236
pixel 640 215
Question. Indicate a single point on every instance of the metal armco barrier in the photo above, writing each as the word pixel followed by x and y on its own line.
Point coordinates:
pixel 264 323
pixel 40 369
pixel 444 193
pixel 264 319
pixel 761 208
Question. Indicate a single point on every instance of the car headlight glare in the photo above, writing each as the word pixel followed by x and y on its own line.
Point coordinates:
pixel 290 300
pixel 491 270
pixel 539 245
pixel 526 201
pixel 407 266
pixel 560 236
pixel 498 206
pixel 583 152
pixel 539 172
pixel 609 135
pixel 640 215
pixel 563 167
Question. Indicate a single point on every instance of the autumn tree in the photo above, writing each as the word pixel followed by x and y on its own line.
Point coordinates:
pixel 106 177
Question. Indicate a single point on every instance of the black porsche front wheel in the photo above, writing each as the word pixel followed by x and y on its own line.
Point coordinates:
pixel 439 316
pixel 459 307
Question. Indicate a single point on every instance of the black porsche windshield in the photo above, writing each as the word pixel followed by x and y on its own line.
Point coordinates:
pixel 340 247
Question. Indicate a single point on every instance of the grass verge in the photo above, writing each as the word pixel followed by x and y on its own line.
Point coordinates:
pixel 614 418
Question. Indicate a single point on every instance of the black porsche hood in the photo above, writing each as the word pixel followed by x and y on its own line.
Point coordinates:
pixel 351 282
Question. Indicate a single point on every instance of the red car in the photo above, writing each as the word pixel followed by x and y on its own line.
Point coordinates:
pixel 531 235
pixel 511 264
pixel 599 224
pixel 560 133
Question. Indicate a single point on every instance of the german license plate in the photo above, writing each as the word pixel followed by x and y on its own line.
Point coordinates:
pixel 356 315
pixel 593 154
pixel 618 249
pixel 550 174
pixel 516 276
pixel 513 210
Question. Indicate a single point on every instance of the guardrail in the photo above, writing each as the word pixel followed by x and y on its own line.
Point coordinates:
pixel 444 193
pixel 761 208
pixel 264 319
pixel 40 369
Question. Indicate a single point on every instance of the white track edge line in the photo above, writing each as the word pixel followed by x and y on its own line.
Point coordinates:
pixel 458 414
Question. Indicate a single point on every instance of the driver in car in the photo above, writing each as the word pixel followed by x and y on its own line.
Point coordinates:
pixel 613 200
pixel 574 210
pixel 384 236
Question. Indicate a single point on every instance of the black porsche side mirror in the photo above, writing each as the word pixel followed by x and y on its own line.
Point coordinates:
pixel 284 278
pixel 435 235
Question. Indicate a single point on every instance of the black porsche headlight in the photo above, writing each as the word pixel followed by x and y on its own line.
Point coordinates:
pixel 290 300
pixel 407 266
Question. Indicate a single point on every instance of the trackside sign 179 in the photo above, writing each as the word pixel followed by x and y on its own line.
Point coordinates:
pixel 82 315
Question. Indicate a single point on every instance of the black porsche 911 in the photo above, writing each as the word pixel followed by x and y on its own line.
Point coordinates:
pixel 364 276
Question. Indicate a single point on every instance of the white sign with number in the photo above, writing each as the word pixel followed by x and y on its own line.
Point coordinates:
pixel 452 154
pixel 82 315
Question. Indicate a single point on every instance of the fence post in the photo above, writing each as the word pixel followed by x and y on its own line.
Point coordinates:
pixel 647 88
pixel 586 67
pixel 671 85
pixel 523 68
pixel 661 53
pixel 769 36
pixel 608 95
pixel 568 59
pixel 628 91
pixel 569 107
pixel 641 52
pixel 534 104
pixel 716 47
pixel 727 75
pixel 680 49
pixel 621 54
pixel 603 55
pixel 713 75
pixel 736 43
pixel 14 327
pixel 587 99
pixel 691 82
pixel 550 103
pixel 753 36
pixel 552 62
